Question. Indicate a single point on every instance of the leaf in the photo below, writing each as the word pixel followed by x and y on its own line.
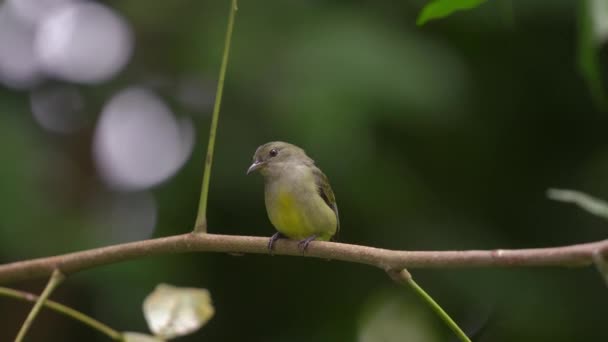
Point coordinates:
pixel 176 311
pixel 138 337
pixel 593 33
pixel 591 204
pixel 442 8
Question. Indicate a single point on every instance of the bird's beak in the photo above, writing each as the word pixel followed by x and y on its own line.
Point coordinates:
pixel 255 166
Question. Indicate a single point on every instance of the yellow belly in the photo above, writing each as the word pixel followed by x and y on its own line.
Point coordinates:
pixel 296 209
pixel 288 218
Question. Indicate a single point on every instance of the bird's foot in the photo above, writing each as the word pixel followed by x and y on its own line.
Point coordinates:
pixel 303 244
pixel 274 239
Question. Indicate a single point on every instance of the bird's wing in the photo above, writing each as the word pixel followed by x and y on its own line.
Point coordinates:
pixel 326 193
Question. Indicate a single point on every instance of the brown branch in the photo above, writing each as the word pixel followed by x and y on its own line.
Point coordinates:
pixel 574 255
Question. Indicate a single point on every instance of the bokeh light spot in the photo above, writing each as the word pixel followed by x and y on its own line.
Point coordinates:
pixel 83 42
pixel 32 11
pixel 18 64
pixel 58 109
pixel 123 217
pixel 138 142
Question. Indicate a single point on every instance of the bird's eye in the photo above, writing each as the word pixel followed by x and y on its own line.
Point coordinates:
pixel 273 152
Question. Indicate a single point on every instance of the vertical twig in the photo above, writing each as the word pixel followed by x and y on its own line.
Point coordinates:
pixel 404 277
pixel 56 279
pixel 601 264
pixel 200 225
pixel 77 315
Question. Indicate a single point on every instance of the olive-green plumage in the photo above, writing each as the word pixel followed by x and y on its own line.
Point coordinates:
pixel 299 200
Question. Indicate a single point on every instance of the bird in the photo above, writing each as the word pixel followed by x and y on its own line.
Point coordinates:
pixel 300 203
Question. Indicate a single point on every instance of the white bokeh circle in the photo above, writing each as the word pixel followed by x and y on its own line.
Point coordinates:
pixel 138 142
pixel 83 42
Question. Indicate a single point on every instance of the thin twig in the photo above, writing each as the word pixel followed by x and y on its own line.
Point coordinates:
pixel 200 225
pixel 405 278
pixel 58 307
pixel 566 256
pixel 439 311
pixel 593 205
pixel 602 266
pixel 56 279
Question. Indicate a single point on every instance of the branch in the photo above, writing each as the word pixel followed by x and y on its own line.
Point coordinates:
pixel 77 315
pixel 387 260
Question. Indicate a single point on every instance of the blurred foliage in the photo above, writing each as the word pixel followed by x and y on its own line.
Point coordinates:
pixel 440 137
pixel 593 34
pixel 442 8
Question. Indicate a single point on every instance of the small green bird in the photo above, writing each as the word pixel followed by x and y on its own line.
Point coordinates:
pixel 299 200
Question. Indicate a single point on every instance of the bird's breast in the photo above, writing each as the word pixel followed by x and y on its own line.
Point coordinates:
pixel 287 203
pixel 295 207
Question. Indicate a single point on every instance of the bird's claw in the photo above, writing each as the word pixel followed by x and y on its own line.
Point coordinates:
pixel 303 244
pixel 272 240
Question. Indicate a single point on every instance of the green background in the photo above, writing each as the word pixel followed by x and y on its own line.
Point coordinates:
pixel 439 137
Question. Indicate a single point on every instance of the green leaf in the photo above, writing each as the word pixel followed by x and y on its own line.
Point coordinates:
pixel 442 8
pixel 176 311
pixel 591 204
pixel 593 33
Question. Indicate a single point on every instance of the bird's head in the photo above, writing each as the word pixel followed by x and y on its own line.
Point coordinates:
pixel 274 156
